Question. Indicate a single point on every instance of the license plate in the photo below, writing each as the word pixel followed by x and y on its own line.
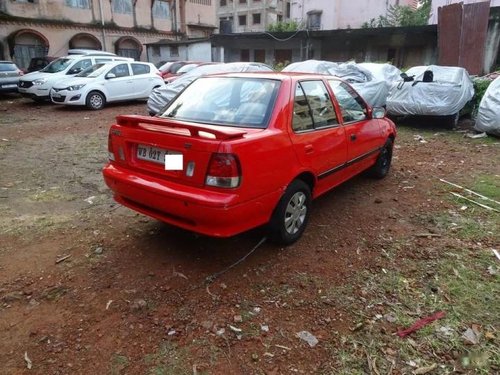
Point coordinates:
pixel 56 95
pixel 154 154
pixel 9 86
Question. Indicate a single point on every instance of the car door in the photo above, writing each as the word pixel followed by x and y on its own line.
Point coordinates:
pixel 143 81
pixel 119 84
pixel 363 133
pixel 318 138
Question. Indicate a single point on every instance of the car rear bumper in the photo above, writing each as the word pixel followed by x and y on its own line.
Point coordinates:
pixel 196 209
pixel 9 85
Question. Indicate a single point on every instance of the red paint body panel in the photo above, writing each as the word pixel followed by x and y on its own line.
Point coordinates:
pixel 269 160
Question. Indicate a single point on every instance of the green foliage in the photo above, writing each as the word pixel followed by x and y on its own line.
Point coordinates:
pixel 402 15
pixel 283 26
pixel 280 65
pixel 480 86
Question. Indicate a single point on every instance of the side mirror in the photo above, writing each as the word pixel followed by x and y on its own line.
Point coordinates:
pixel 75 71
pixel 110 75
pixel 378 112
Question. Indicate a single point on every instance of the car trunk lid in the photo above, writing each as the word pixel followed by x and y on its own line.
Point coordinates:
pixel 144 143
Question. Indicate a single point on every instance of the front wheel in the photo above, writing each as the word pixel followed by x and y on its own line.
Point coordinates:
pixel 95 100
pixel 381 167
pixel 291 215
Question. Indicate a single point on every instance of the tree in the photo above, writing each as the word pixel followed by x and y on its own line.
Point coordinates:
pixel 403 15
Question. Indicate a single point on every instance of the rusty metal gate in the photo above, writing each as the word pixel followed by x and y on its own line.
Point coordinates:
pixel 462 31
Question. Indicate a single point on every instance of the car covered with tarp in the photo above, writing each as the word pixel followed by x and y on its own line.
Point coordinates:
pixel 488 115
pixel 161 96
pixel 371 80
pixel 431 90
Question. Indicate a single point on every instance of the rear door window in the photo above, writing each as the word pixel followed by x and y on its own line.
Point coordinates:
pixel 139 69
pixel 120 70
pixel 312 107
pixel 80 66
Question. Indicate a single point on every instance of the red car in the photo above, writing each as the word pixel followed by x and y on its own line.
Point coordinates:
pixel 236 151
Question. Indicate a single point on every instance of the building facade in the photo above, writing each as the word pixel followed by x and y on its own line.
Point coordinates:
pixel 239 16
pixel 340 14
pixel 33 28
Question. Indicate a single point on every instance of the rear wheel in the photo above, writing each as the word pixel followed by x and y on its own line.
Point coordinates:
pixel 291 215
pixel 383 163
pixel 95 100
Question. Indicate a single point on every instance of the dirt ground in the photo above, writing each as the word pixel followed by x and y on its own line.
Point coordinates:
pixel 90 287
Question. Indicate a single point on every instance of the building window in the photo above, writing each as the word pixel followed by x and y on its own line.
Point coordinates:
pixel 161 9
pixel 288 10
pixel 122 6
pixel 243 1
pixel 256 18
pixel 223 3
pixel 174 51
pixel 314 20
pixel 259 55
pixel 242 20
pixel 84 4
pixel 26 1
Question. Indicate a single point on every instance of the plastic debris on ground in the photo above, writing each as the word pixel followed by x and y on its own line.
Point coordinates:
pixel 419 324
pixel 308 337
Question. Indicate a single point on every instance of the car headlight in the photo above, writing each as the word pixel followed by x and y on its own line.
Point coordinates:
pixel 40 81
pixel 75 87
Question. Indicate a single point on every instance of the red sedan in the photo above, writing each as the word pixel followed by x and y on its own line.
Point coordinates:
pixel 234 152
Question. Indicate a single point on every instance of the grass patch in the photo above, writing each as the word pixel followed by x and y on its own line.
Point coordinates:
pixel 118 364
pixel 50 195
pixel 168 360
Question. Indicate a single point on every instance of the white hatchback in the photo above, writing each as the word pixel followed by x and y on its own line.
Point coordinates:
pixel 107 82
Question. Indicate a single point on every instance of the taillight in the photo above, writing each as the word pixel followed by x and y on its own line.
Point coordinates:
pixel 111 154
pixel 223 171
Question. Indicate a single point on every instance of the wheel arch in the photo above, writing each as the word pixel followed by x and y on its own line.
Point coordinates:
pixel 308 178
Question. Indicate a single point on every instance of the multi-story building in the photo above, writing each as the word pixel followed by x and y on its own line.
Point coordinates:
pixel 33 28
pixel 238 16
pixel 340 14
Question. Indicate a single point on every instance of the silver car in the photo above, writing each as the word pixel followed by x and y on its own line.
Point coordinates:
pixel 9 76
pixel 161 96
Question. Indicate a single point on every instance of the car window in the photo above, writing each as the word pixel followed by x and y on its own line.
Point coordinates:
pixel 80 66
pixel 138 69
pixel 313 108
pixel 120 70
pixel 93 71
pixel 7 67
pixel 57 65
pixel 351 105
pixel 227 101
pixel 102 60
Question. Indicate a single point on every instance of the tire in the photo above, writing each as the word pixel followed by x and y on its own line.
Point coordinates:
pixel 291 215
pixel 95 100
pixel 381 167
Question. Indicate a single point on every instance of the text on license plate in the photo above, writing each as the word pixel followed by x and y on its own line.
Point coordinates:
pixel 155 154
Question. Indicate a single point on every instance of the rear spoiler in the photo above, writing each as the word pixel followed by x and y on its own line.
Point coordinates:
pixel 168 125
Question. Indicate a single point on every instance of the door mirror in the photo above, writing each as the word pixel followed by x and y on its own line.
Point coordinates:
pixel 378 112
pixel 110 75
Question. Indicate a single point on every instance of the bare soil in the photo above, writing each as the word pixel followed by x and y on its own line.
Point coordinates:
pixel 136 296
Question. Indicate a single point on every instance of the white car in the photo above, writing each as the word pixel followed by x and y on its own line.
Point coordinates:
pixel 37 85
pixel 108 82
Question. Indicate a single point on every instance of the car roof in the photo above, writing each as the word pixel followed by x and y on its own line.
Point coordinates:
pixel 282 76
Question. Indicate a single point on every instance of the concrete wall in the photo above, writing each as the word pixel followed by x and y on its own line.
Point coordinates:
pixel 343 14
pixel 269 11
pixel 200 51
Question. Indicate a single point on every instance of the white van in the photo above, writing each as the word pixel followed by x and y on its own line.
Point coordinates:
pixel 37 85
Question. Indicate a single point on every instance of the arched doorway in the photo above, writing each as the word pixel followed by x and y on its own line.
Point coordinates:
pixel 128 46
pixel 25 44
pixel 85 41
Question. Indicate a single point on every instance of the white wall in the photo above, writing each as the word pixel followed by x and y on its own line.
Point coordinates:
pixel 343 14
pixel 440 3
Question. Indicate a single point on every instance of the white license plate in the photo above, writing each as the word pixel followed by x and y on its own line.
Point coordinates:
pixel 154 154
pixel 56 95
pixel 10 86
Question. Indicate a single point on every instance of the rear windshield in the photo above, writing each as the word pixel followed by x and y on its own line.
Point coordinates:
pixel 57 65
pixel 7 67
pixel 239 102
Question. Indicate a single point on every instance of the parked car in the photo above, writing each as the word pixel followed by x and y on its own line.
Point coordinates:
pixel 170 68
pixel 162 95
pixel 107 82
pixel 37 85
pixel 9 76
pixel 236 151
pixel 38 63
pixel 431 91
pixel 488 114
pixel 371 80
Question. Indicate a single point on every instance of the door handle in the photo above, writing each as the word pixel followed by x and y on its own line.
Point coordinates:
pixel 309 149
pixel 353 137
